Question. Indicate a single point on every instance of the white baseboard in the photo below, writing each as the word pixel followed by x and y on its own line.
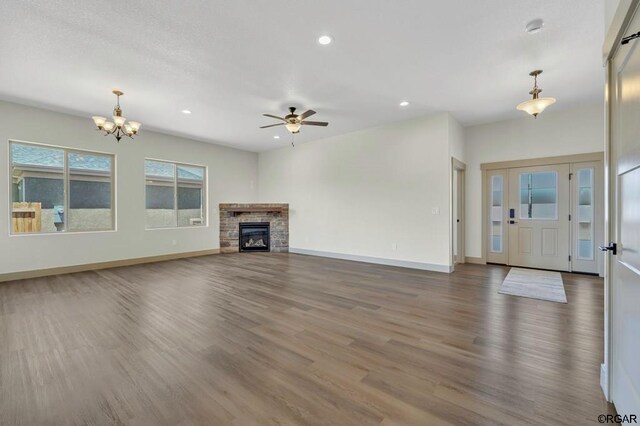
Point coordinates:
pixel 377 260
pixel 604 381
pixel 21 275
pixel 475 260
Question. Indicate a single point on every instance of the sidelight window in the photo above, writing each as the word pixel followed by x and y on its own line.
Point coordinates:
pixel 497 201
pixel 585 247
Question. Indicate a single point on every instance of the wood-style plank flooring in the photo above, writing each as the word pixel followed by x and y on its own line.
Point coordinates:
pixel 290 339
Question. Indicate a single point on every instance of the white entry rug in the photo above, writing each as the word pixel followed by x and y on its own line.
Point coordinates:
pixel 535 284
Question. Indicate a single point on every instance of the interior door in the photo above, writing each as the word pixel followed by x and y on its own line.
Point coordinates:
pixel 538 217
pixel 624 273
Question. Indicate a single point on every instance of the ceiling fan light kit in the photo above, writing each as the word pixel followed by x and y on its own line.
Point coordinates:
pixel 537 104
pixel 293 122
pixel 119 126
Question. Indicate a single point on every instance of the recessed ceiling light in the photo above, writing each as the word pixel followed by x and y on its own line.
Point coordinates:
pixel 325 39
pixel 404 103
pixel 186 111
pixel 534 26
pixel 276 137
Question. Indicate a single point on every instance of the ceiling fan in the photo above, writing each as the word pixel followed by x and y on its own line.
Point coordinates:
pixel 293 122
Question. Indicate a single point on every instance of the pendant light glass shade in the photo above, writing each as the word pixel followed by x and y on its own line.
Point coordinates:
pixel 119 120
pixel 135 126
pixel 535 106
pixel 293 127
pixel 99 121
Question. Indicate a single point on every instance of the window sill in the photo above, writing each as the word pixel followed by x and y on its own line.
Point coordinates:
pixel 177 227
pixel 31 234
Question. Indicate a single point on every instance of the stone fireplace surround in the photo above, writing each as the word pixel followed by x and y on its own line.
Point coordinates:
pixel 231 214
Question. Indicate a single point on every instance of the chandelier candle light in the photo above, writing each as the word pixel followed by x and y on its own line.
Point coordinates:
pixel 536 105
pixel 118 128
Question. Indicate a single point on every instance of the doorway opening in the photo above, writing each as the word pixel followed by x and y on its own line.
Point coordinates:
pixel 457 221
pixel 544 213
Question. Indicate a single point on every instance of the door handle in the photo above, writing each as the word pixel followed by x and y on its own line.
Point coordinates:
pixel 612 247
pixel 512 222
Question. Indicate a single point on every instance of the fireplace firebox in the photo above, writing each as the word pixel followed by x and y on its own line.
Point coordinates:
pixel 254 236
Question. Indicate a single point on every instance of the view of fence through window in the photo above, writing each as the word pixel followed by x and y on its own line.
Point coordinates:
pixel 59 189
pixel 174 194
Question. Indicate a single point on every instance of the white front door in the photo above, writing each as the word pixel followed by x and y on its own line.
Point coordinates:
pixel 624 274
pixel 538 217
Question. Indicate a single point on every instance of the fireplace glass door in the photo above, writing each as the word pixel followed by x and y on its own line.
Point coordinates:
pixel 254 236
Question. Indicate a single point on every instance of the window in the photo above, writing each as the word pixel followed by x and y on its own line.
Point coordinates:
pixel 175 194
pixel 496 214
pixel 539 195
pixel 60 190
pixel 585 213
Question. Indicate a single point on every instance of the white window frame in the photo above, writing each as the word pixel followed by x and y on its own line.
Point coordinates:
pixel 204 202
pixel 65 186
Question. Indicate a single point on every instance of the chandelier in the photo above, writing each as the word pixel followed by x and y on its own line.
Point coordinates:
pixel 536 105
pixel 118 128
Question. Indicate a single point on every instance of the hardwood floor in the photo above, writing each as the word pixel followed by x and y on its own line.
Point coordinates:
pixel 291 339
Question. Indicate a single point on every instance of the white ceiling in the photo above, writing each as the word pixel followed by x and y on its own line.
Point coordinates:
pixel 230 61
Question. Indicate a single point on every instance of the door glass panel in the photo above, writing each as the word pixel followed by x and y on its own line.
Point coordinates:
pixel 496 213
pixel 539 195
pixel 585 246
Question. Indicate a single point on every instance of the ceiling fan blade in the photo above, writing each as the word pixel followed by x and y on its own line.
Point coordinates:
pixel 304 115
pixel 272 125
pixel 315 123
pixel 274 116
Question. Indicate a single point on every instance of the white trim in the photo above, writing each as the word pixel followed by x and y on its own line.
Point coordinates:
pixel 625 396
pixel 619 24
pixel 377 260
pixel 604 381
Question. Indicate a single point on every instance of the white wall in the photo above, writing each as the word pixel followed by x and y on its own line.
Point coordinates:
pixel 232 178
pixel 562 132
pixel 361 193
pixel 457 146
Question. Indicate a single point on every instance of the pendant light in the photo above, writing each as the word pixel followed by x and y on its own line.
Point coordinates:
pixel 536 105
pixel 118 127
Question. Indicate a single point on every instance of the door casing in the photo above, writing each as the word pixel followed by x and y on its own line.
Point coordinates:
pixel 620 378
pixel 503 167
pixel 457 219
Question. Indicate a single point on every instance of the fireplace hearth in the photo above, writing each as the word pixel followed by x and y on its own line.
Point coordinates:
pixel 254 236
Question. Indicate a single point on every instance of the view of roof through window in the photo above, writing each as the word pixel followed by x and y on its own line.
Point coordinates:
pixel 160 169
pixel 39 156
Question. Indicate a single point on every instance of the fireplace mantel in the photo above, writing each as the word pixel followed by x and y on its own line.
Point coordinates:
pixel 276 214
pixel 255 208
